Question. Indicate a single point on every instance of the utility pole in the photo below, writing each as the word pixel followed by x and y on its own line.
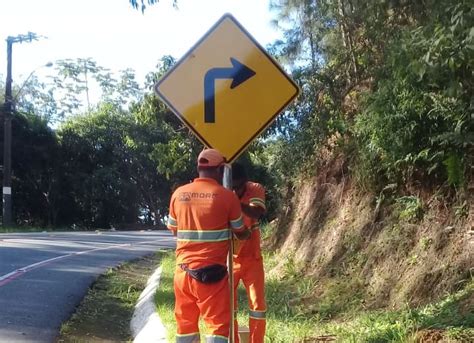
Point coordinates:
pixel 8 109
pixel 7 140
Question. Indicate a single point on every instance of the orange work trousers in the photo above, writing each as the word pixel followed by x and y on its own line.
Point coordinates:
pixel 250 271
pixel 194 299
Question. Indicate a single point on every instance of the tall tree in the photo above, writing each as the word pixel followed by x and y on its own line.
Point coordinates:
pixel 34 159
pixel 400 70
pixel 142 4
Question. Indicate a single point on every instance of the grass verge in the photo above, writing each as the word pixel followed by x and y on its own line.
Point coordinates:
pixel 105 313
pixel 301 310
pixel 15 229
pixel 164 296
pixel 295 314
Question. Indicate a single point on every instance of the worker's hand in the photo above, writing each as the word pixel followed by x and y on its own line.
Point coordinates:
pixel 243 235
pixel 254 212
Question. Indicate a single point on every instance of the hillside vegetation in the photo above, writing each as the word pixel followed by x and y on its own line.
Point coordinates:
pixel 369 173
pixel 377 155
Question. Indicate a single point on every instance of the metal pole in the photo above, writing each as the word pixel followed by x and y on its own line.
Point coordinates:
pixel 227 182
pixel 7 140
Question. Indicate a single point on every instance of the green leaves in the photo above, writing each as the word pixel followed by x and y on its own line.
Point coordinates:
pixel 417 121
pixel 455 170
pixel 143 4
pixel 172 157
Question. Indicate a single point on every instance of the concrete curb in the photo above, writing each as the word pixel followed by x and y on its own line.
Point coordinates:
pixel 146 325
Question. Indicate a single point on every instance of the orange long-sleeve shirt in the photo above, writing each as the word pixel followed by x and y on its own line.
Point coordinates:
pixel 254 195
pixel 202 214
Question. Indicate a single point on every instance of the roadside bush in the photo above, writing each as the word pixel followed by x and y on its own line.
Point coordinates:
pixel 419 121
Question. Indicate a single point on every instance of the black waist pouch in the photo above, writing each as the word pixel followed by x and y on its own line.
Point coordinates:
pixel 209 274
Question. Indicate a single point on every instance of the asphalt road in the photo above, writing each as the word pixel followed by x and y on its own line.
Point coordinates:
pixel 44 276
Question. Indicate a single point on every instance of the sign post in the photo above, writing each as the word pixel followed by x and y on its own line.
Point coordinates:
pixel 227 183
pixel 227 90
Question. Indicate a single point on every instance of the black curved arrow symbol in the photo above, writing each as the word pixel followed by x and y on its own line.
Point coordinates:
pixel 239 73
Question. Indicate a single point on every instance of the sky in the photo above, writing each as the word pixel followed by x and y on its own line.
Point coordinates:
pixel 114 34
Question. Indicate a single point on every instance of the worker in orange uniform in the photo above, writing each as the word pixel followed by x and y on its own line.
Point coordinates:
pixel 201 214
pixel 248 261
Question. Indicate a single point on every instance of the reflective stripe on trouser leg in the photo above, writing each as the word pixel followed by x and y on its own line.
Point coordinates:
pixel 257 314
pixel 188 338
pixel 253 278
pixel 216 339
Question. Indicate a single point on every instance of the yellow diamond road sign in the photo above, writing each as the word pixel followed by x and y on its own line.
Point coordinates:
pixel 227 89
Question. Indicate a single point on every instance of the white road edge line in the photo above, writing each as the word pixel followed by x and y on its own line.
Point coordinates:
pixel 46 241
pixel 146 325
pixel 7 278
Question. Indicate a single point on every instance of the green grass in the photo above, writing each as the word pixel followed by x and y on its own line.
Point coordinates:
pixel 104 314
pixel 278 319
pixel 164 297
pixel 402 326
pixel 295 314
pixel 14 229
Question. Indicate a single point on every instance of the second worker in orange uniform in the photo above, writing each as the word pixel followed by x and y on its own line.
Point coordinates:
pixel 248 261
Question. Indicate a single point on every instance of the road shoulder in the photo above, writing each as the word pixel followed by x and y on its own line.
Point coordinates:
pixel 146 325
pixel 107 310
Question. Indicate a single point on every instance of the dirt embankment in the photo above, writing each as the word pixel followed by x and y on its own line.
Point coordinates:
pixel 394 249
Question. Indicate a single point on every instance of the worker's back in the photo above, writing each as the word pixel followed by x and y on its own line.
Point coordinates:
pixel 203 211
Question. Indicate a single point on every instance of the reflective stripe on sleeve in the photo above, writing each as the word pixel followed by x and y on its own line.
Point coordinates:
pixel 257 314
pixel 216 339
pixel 172 222
pixel 237 223
pixel 188 338
pixel 255 227
pixel 257 202
pixel 203 235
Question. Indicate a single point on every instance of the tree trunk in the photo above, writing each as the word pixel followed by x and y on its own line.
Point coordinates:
pixel 347 39
pixel 309 24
